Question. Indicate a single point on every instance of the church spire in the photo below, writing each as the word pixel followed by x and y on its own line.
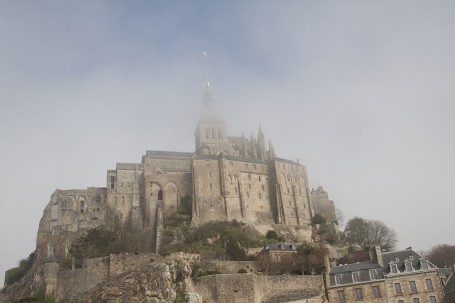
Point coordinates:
pixel 208 96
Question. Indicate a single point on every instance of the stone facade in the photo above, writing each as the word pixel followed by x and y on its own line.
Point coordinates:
pixel 228 178
pixel 323 205
pixel 251 288
pixel 402 276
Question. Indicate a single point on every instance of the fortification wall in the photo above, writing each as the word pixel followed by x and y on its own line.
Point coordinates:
pixel 122 263
pixel 228 288
pixel 229 267
pixel 248 288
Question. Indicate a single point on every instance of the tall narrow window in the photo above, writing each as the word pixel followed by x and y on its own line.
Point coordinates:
pixel 398 290
pixel 429 284
pixel 358 292
pixel 415 300
pixel 341 296
pixel 82 206
pixel 432 299
pixel 210 174
pixel 160 195
pixel 112 182
pixel 210 185
pixel 413 286
pixel 235 190
pixel 376 291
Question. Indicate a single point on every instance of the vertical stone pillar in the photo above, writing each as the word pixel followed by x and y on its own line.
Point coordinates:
pixel 50 278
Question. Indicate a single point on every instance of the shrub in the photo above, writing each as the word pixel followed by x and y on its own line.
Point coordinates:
pixel 242 271
pixel 271 234
pixel 319 219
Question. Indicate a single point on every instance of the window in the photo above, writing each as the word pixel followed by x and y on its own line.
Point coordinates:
pixel 112 182
pixel 429 284
pixel 432 299
pixel 260 196
pixel 263 187
pixel 235 189
pixel 416 300
pixel 408 266
pixel 210 185
pixel 423 264
pixel 254 166
pixel 376 291
pixel 249 176
pixel 248 194
pixel 249 186
pixel 393 269
pixel 413 286
pixel 82 206
pixel 356 276
pixel 341 296
pixel 400 301
pixel 358 293
pixel 398 290
pixel 373 274
pixel 210 174
pixel 259 178
pixel 338 279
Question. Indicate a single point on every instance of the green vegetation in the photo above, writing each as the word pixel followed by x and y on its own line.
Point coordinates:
pixel 215 240
pixel 242 271
pixel 15 274
pixel 326 232
pixel 272 235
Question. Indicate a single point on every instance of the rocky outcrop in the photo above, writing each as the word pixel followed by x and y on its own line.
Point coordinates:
pixel 157 283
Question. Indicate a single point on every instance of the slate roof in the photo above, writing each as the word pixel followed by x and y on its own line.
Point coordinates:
pixel 281 246
pixel 398 257
pixel 450 286
pixel 401 257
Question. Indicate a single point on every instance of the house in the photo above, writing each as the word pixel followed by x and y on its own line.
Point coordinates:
pixel 395 277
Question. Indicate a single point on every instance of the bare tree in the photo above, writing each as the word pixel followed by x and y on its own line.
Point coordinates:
pixel 442 255
pixel 382 235
pixel 367 233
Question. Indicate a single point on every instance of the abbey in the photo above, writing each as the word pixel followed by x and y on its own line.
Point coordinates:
pixel 227 178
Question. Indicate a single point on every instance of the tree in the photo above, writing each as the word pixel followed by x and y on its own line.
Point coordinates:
pixel 442 255
pixel 367 233
pixel 382 235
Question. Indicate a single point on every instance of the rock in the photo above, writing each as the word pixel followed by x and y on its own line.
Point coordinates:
pixel 193 297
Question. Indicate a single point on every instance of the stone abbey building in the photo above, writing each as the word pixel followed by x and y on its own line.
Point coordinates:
pixel 226 177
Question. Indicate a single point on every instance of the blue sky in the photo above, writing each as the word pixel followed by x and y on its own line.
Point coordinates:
pixel 360 91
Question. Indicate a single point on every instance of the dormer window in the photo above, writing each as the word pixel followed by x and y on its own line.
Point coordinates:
pixel 393 268
pixel 373 274
pixel 356 276
pixel 423 264
pixel 408 266
pixel 338 279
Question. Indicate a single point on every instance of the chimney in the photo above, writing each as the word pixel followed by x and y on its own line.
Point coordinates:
pixel 377 255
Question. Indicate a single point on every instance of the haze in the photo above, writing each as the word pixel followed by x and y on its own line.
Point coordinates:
pixel 361 92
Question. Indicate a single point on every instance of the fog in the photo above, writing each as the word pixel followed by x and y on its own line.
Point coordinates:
pixel 361 92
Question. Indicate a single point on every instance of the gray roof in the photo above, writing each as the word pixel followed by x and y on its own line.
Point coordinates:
pixel 450 286
pixel 281 246
pixel 398 257
pixel 354 267
pixel 160 153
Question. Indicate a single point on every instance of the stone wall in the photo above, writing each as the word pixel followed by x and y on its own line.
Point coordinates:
pixel 229 267
pixel 122 263
pixel 249 288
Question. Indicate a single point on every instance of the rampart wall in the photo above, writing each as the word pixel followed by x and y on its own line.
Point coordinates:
pixel 248 288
